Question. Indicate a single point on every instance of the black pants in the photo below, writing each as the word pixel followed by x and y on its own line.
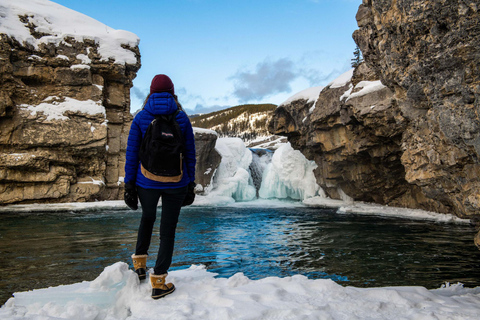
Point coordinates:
pixel 172 200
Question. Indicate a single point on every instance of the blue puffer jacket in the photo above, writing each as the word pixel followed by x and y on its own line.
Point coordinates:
pixel 157 104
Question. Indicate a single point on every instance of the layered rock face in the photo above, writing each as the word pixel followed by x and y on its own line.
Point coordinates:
pixel 353 132
pixel 427 53
pixel 404 130
pixel 64 107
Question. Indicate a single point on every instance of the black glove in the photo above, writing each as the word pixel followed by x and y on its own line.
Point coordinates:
pixel 190 194
pixel 130 196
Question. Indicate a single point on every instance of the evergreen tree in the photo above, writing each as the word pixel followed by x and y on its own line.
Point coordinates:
pixel 357 57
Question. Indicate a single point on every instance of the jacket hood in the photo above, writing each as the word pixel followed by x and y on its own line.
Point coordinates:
pixel 160 103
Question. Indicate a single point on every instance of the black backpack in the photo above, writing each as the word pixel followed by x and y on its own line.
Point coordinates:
pixel 162 149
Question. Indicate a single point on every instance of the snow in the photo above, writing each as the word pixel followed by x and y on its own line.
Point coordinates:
pixel 85 59
pixel 34 57
pixel 118 294
pixel 270 142
pixel 342 80
pixel 349 206
pixel 16 156
pixel 205 131
pixel 58 23
pixel 79 66
pixel 64 207
pixel 97 182
pixel 347 93
pixel 310 94
pixel 55 110
pixel 366 88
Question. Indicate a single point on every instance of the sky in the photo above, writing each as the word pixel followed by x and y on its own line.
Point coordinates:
pixel 225 53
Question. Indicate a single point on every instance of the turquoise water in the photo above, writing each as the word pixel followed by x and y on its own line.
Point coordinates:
pixel 49 249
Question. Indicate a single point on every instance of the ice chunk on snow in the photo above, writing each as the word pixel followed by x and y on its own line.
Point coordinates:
pixel 289 175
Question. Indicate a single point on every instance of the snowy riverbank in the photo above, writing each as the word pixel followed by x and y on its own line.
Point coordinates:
pixel 117 294
pixel 343 207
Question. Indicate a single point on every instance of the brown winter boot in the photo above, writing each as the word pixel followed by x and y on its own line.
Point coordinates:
pixel 140 265
pixel 159 288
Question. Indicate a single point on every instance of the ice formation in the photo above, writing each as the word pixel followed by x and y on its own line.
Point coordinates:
pixel 285 175
pixel 289 175
pixel 232 178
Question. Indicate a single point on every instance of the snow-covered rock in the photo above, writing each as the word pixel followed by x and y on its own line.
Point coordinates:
pixel 64 103
pixel 37 23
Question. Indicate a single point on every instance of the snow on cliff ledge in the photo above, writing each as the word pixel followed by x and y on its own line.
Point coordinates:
pixel 310 94
pixel 55 23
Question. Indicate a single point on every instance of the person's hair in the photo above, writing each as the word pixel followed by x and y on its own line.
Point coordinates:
pixel 174 98
pixel 145 101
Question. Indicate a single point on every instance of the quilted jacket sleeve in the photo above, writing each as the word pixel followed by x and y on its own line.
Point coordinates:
pixel 133 146
pixel 189 146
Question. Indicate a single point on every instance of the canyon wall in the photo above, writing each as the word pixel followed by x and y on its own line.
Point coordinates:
pixel 404 128
pixel 427 53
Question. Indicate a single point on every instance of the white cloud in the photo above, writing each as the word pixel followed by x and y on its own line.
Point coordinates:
pixel 269 77
pixel 276 77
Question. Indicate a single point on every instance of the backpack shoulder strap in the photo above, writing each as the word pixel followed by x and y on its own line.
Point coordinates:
pixel 175 123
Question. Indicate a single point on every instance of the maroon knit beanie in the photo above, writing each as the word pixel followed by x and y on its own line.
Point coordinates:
pixel 162 83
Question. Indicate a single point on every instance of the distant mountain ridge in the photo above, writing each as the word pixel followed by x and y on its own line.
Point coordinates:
pixel 248 121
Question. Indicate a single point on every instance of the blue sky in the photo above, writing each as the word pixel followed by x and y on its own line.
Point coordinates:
pixel 225 53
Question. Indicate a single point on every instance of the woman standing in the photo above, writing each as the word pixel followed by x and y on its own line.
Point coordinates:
pixel 161 101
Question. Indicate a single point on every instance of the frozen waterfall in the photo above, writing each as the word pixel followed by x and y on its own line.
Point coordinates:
pixel 260 160
pixel 289 175
pixel 244 174
pixel 232 178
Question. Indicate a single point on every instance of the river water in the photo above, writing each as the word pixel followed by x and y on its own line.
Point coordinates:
pixel 49 249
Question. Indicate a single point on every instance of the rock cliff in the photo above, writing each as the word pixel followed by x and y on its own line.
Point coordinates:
pixel 427 53
pixel 403 129
pixel 208 159
pixel 65 84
